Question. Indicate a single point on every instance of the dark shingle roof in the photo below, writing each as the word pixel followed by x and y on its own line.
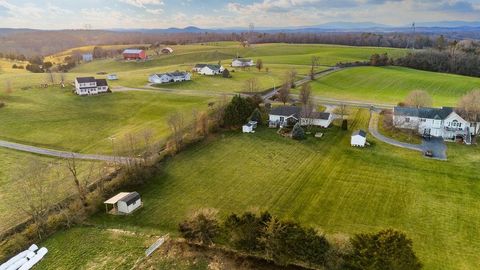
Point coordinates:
pixel 130 198
pixel 360 132
pixel 212 67
pixel 85 79
pixel 243 60
pixel 178 73
pixel 428 113
pixel 286 111
pixel 101 82
pixel 320 115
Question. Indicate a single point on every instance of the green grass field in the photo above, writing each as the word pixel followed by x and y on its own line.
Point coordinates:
pixel 56 118
pixel 392 85
pixel 324 183
pixel 12 166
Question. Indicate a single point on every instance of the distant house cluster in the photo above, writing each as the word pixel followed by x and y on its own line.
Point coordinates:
pixel 85 86
pixel 134 54
pixel 285 116
pixel 177 76
pixel 208 69
pixel 242 62
pixel 437 122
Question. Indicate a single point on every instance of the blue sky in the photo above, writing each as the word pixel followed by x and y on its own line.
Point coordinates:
pixel 101 14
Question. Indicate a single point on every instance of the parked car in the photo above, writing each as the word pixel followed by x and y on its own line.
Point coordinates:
pixel 429 153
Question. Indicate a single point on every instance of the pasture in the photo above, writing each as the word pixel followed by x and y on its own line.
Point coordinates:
pixel 323 183
pixel 392 84
pixel 56 118
pixel 13 168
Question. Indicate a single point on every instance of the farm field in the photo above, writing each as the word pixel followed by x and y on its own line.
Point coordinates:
pixel 392 85
pixel 12 166
pixel 56 118
pixel 323 183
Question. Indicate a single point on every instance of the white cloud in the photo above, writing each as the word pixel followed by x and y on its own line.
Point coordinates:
pixel 143 3
pixel 156 11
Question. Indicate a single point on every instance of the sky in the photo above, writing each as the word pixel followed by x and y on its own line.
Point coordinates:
pixel 107 14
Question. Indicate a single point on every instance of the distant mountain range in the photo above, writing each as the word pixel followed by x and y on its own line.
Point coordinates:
pixel 432 27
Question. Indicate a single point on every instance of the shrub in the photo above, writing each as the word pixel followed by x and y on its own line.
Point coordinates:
pixel 226 74
pixel 202 227
pixel 298 133
pixel 2 104
pixel 245 232
pixel 13 245
pixel 388 249
pixel 345 124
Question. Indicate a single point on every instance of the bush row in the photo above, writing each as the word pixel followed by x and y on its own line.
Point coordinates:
pixel 287 242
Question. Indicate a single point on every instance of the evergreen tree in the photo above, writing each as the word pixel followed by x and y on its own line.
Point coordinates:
pixel 298 133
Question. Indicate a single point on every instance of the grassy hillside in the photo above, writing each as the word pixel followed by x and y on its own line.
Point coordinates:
pixel 392 84
pixel 288 54
pixel 12 166
pixel 56 118
pixel 324 183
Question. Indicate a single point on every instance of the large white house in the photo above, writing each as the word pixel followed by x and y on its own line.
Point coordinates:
pixel 177 76
pixel 437 122
pixel 90 86
pixel 207 69
pixel 284 116
pixel 242 62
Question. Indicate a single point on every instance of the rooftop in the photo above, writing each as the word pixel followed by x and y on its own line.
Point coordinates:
pixel 85 79
pixel 428 113
pixel 360 133
pixel 286 111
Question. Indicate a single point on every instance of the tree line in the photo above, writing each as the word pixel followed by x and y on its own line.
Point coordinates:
pixel 286 242
pixel 445 56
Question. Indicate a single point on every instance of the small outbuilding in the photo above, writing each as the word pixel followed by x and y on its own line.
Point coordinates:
pixel 249 127
pixel 167 50
pixel 359 138
pixel 112 77
pixel 123 203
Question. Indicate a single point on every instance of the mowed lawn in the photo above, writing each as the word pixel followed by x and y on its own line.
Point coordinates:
pixel 327 184
pixel 392 84
pixel 58 119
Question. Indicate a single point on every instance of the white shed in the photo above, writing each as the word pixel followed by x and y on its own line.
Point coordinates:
pixel 249 127
pixel 112 77
pixel 123 203
pixel 359 138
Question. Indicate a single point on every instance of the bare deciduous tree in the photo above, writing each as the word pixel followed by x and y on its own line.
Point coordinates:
pixel 8 87
pixel 315 62
pixel 469 107
pixel 418 99
pixel 259 64
pixel 284 93
pixel 251 85
pixel 176 123
pixel 306 94
pixel 81 183
pixel 34 195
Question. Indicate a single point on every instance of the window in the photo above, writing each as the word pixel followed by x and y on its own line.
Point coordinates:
pixel 423 120
pixel 407 119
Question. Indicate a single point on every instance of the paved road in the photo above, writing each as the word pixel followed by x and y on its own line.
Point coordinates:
pixel 59 154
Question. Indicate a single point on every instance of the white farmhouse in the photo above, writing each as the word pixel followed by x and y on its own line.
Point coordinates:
pixel 112 77
pixel 318 119
pixel 87 57
pixel 176 76
pixel 90 86
pixel 242 62
pixel 437 122
pixel 206 69
pixel 167 50
pixel 284 116
pixel 123 203
pixel 359 138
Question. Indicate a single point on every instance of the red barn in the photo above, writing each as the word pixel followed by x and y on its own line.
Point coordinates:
pixel 134 54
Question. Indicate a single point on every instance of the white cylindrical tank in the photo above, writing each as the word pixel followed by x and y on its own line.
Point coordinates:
pixel 10 262
pixel 40 254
